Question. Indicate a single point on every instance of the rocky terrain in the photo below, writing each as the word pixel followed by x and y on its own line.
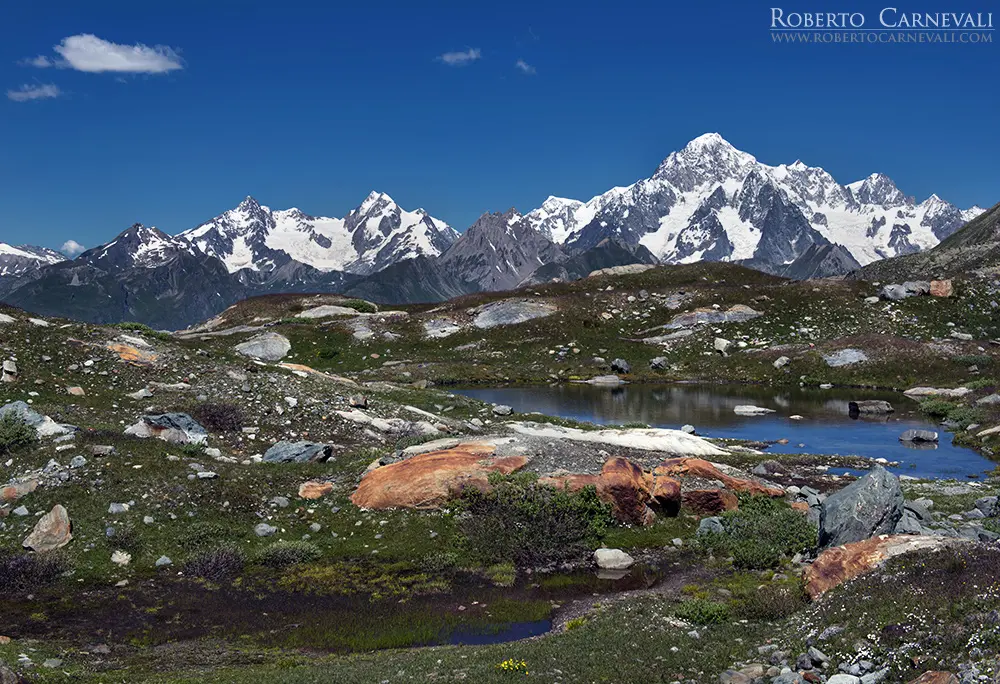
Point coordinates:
pixel 290 491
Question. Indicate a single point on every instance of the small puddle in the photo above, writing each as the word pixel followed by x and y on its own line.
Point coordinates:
pixel 826 427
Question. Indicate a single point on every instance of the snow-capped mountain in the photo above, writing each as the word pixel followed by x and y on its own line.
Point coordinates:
pixel 138 246
pixel 372 236
pixel 15 261
pixel 710 201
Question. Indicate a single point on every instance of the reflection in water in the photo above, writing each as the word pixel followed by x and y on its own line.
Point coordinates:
pixel 826 426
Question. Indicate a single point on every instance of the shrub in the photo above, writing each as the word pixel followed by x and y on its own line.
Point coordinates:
pixel 15 432
pixel 202 535
pixel 126 538
pixel 284 554
pixel 24 572
pixel 761 533
pixel 981 360
pixel 529 524
pixel 950 411
pixel 771 602
pixel 981 383
pixel 703 612
pixel 216 564
pixel 220 417
pixel 360 305
pixel 145 330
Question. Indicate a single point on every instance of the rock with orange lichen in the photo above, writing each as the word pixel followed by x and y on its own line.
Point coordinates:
pixel 629 490
pixel 709 501
pixel 314 490
pixel 935 677
pixel 841 563
pixel 681 468
pixel 430 480
pixel 132 355
pixel 15 491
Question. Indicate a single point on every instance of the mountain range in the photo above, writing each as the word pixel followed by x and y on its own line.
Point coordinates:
pixel 708 201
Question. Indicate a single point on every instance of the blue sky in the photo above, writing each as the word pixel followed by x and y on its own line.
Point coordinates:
pixel 314 104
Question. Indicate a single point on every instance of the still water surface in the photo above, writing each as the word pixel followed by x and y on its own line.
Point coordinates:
pixel 826 426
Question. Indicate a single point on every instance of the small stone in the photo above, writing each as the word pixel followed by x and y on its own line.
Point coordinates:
pixel 163 561
pixel 264 530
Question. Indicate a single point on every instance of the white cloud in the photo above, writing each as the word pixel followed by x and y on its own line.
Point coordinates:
pixel 33 92
pixel 71 248
pixel 525 67
pixel 461 58
pixel 87 52
pixel 41 62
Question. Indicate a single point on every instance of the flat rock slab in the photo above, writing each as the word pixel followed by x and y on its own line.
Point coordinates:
pixel 326 311
pixel 735 314
pixel 44 426
pixel 870 407
pixel 438 328
pixel 646 439
pixel 947 393
pixel 845 357
pixel 267 346
pixel 298 452
pixel 133 355
pixel 509 312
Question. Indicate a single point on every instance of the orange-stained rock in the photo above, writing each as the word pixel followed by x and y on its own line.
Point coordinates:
pixel 942 288
pixel 572 482
pixel 16 491
pixel 314 490
pixel 430 480
pixel 628 488
pixel 698 467
pixel 841 563
pixel 52 531
pixel 935 677
pixel 710 501
pixel 667 495
pixel 800 506
pixel 132 355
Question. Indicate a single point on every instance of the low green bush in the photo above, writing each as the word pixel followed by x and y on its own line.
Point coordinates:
pixel 521 521
pixel 360 305
pixel 144 329
pixel 15 432
pixel 959 414
pixel 771 602
pixel 125 537
pixel 284 554
pixel 703 612
pixel 219 417
pixel 981 383
pixel 216 564
pixel 761 533
pixel 202 535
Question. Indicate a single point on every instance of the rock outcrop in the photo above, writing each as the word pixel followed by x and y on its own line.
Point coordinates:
pixel 52 531
pixel 176 428
pixel 837 565
pixel 869 506
pixel 267 346
pixel 428 481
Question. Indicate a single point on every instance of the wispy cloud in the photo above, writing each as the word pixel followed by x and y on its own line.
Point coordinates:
pixel 71 248
pixel 34 92
pixel 86 52
pixel 461 58
pixel 525 67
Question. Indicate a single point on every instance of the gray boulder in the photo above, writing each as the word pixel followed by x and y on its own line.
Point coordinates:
pixel 44 426
pixel 298 452
pixel 872 505
pixel 176 428
pixel 872 407
pixel 919 436
pixel 621 366
pixel 712 525
pixel 659 363
pixel 613 559
pixel 894 293
pixel 917 288
pixel 267 346
pixel 989 506
pixel 989 400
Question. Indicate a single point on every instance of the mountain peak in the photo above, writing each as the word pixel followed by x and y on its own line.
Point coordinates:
pixel 708 140
pixel 375 198
pixel 709 158
pixel 249 203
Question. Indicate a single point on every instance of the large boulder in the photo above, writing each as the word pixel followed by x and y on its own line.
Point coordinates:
pixel 870 407
pixel 942 288
pixel 428 481
pixel 613 559
pixel 935 677
pixel 869 506
pixel 839 564
pixel 845 357
pixel 629 490
pixel 176 428
pixel 738 313
pixel 510 312
pixel 687 468
pixel 267 346
pixel 44 426
pixel 52 531
pixel 298 452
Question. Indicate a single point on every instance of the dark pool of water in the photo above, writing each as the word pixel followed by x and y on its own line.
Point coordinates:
pixel 498 635
pixel 826 426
